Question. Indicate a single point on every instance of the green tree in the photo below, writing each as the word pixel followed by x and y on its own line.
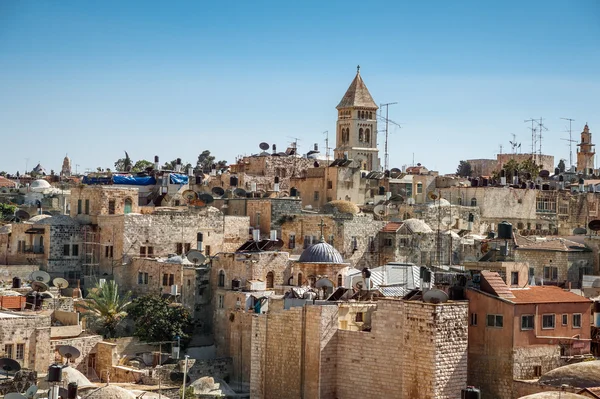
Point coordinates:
pixel 123 164
pixel 529 166
pixel 141 165
pixel 7 210
pixel 104 308
pixel 156 319
pixel 561 166
pixel 205 162
pixel 511 167
pixel 464 169
pixel 3 173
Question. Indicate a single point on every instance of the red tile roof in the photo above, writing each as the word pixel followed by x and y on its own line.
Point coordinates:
pixel 391 227
pixel 493 284
pixel 4 182
pixel 545 294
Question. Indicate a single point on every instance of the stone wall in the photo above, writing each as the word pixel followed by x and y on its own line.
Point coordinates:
pixel 524 388
pixel 568 263
pixel 86 345
pixel 33 331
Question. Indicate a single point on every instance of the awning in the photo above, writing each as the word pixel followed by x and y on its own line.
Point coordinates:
pixel 34 230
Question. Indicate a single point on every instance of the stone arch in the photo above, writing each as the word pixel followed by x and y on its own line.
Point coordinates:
pixel 270 280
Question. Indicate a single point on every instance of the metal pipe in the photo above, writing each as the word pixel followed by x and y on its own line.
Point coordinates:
pixel 184 377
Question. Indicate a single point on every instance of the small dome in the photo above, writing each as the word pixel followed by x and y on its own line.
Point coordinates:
pixel 39 184
pixel 321 252
pixel 108 392
pixel 341 207
pixel 553 395
pixel 580 375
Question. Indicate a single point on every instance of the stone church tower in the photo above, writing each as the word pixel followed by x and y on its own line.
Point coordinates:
pixel 65 172
pixel 356 134
pixel 585 153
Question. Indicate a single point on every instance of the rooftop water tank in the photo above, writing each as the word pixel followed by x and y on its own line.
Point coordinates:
pixel 505 230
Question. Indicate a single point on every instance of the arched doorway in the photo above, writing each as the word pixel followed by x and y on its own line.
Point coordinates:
pixel 270 280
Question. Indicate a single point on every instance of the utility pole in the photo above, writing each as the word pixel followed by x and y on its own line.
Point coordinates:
pixel 386 161
pixel 570 140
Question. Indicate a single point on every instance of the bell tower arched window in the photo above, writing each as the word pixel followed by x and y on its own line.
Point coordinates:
pixel 367 136
pixel 360 134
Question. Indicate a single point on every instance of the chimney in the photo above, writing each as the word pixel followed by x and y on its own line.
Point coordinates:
pixel 156 164
pixel 316 147
pixel 190 171
pixel 199 238
pixel 178 165
pixel 502 177
pixel 256 235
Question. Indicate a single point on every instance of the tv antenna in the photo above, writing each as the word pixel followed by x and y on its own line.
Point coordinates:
pixel 570 140
pixel 536 136
pixel 386 160
pixel 513 144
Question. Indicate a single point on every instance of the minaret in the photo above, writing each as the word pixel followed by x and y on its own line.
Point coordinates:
pixel 585 153
pixel 65 172
pixel 356 135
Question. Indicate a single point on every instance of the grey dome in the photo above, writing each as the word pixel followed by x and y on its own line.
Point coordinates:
pixel 321 253
pixel 580 375
pixel 108 392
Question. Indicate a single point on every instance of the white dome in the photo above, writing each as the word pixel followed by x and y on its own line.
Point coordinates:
pixel 39 184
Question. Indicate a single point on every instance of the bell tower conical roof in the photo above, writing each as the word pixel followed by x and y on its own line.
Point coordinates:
pixel 357 95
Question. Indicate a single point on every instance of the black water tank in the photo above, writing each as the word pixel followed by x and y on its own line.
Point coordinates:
pixel 505 230
pixel 16 282
pixel 381 190
pixel 556 171
pixel 198 179
pixel 72 390
pixel 474 183
pixel 470 393
pixel 485 182
pixel 55 373
pixel 233 181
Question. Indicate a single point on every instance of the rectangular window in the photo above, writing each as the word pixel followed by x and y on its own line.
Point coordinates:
pixel 87 206
pixel 140 278
pixel 563 209
pixel 145 278
pixel 473 319
pixel 307 241
pixel 111 207
pixel 165 279
pixel 187 247
pixel 179 248
pixel 221 302
pixel 171 279
pixel 565 319
pixel 75 250
pixel 108 251
pixel 419 188
pixel 292 241
pixel 388 242
pixel 142 251
pixel 550 273
pixel 537 371
pixel 329 184
pixel 79 207
pixel 527 322
pixel 371 244
pixel 577 320
pixel 66 250
pixel 20 355
pixel 548 321
pixel 316 195
pixel 514 278
pixel 8 351
pixel 359 317
pixel 330 240
pixel 150 251
pixel 495 320
pixel 354 243
pixel 207 250
pixel 531 272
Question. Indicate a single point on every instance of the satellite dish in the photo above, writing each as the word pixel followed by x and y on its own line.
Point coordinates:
pixel 432 196
pixel 316 164
pixel 544 174
pixel 177 376
pixel 239 192
pixel 40 276
pixel 195 256
pixel 60 283
pixel 206 198
pixel 324 282
pixel 435 296
pixel 39 286
pixel 21 214
pixel 218 191
pixel 594 225
pixel 14 395
pixel 69 352
pixel 9 365
pixel 31 391
pixel 379 210
pixel 446 221
pixel 264 146
pixel 579 231
pixel 189 195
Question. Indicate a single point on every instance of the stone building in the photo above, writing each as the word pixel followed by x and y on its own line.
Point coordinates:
pixel 356 132
pixel 25 337
pixel 65 172
pixel 302 352
pixel 586 153
pixel 521 333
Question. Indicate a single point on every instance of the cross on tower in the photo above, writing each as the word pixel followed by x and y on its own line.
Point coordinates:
pixel 322 224
pixel 358 69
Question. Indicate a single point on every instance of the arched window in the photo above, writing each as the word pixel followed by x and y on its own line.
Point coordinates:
pixel 128 205
pixel 362 115
pixel 367 136
pixel 473 201
pixel 221 278
pixel 370 115
pixel 360 134
pixel 270 280
pixel 459 201
pixel 299 279
pixel 340 284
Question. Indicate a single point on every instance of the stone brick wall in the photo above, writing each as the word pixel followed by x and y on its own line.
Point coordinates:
pixel 31 330
pixel 99 197
pixel 86 345
pixel 524 388
pixel 568 263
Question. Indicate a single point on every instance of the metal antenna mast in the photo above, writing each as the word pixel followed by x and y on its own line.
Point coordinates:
pixel 541 127
pixel 570 140
pixel 533 138
pixel 386 161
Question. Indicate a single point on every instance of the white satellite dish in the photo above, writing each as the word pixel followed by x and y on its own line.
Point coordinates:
pixel 196 257
pixel 60 283
pixel 446 221
pixel 31 391
pixel 69 352
pixel 40 276
pixel 379 210
pixel 435 296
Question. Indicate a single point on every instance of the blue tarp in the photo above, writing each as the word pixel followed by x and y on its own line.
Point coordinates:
pixel 178 179
pixel 134 180
pixel 96 180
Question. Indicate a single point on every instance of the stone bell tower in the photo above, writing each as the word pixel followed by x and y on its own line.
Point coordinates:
pixel 356 132
pixel 585 153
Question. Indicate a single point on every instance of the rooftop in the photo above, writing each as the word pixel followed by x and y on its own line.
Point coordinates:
pixel 549 244
pixel 545 294
pixel 357 95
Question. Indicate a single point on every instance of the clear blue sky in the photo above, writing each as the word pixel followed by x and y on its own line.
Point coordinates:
pixel 96 78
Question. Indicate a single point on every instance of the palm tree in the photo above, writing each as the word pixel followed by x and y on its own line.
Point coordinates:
pixel 105 308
